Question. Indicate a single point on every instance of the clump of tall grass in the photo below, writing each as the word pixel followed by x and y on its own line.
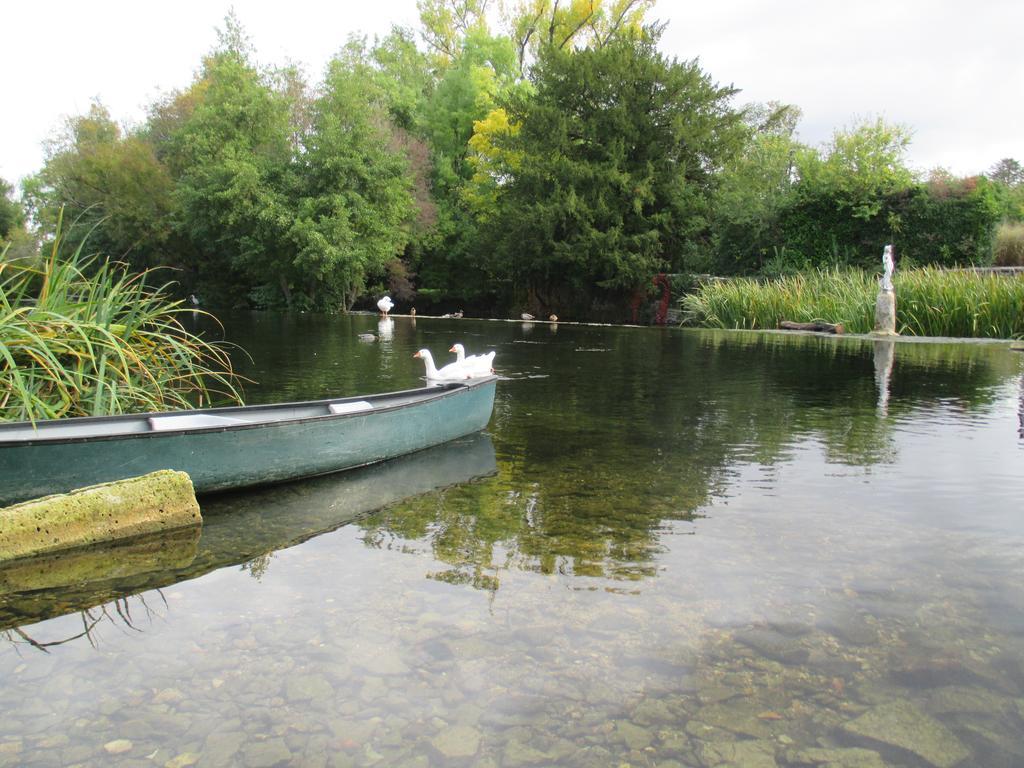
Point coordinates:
pixel 1008 248
pixel 81 337
pixel 929 302
pixel 836 296
pixel 959 303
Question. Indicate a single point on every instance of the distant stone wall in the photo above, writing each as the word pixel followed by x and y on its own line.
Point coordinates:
pixel 156 502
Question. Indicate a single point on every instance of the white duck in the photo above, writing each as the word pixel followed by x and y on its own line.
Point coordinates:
pixel 451 372
pixel 474 365
pixel 385 305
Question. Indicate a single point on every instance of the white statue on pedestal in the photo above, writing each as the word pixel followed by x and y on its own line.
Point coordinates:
pixel 889 266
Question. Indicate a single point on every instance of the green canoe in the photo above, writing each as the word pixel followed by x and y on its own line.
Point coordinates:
pixel 224 448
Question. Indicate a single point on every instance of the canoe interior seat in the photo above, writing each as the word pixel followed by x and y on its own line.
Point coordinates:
pixel 354 407
pixel 191 421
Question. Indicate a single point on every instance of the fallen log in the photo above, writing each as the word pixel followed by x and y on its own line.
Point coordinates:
pixel 817 325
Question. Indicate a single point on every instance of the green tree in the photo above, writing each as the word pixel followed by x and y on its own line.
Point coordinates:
pixel 850 197
pixel 947 221
pixel 484 72
pixel 110 185
pixel 446 22
pixel 859 167
pixel 534 25
pixel 12 215
pixel 1008 181
pixel 620 150
pixel 229 146
pixel 355 203
pixel 405 77
pixel 1007 171
pixel 754 188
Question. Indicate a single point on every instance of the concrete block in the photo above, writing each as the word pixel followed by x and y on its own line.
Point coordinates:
pixel 159 501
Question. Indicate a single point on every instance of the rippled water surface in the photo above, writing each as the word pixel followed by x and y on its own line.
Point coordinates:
pixel 670 548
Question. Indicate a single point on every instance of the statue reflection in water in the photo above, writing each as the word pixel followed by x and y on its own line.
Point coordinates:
pixel 885 353
pixel 1020 409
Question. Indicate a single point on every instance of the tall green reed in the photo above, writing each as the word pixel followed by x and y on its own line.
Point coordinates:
pixel 929 302
pixel 82 337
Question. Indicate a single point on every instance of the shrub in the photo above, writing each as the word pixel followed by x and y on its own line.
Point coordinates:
pixel 81 337
pixel 1009 245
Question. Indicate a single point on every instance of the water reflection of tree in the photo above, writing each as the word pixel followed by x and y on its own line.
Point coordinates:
pixel 257 566
pixel 592 469
pixel 117 613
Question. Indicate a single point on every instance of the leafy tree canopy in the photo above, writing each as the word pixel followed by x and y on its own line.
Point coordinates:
pixel 620 147
pixel 754 186
pixel 1007 171
pixel 355 199
pixel 446 22
pixel 859 166
pixel 100 175
pixel 537 24
pixel 12 215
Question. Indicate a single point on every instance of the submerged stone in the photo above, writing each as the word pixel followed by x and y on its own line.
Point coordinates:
pixel 118 746
pixel 673 742
pixel 959 698
pixel 220 748
pixel 307 687
pixel 902 725
pixel 740 717
pixel 774 645
pixel 999 748
pixel 748 754
pixel 708 733
pixel 266 754
pixel 854 629
pixel 791 628
pixel 70 756
pixel 518 753
pixel 386 664
pixel 184 760
pixel 651 711
pixel 852 757
pixel 457 743
pixel 633 735
pixel 592 757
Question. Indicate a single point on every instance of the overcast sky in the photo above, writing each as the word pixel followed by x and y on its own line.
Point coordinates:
pixel 950 70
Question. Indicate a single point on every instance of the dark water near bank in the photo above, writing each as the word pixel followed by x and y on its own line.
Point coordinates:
pixel 669 549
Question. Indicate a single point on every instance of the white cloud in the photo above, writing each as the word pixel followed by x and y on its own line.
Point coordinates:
pixel 950 70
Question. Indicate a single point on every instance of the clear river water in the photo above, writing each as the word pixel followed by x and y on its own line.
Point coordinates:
pixel 669 548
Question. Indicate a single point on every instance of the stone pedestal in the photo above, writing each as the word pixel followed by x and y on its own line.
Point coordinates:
pixel 885 314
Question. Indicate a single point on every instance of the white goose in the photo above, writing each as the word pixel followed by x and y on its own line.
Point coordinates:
pixel 385 305
pixel 475 366
pixel 451 372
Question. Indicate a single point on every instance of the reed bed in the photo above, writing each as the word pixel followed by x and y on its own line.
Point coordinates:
pixel 929 302
pixel 81 337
